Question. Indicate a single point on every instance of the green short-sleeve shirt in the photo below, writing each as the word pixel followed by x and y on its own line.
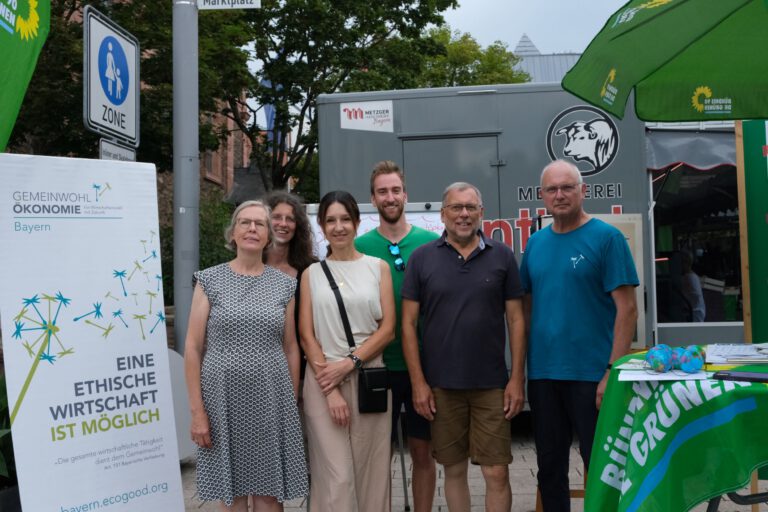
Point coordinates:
pixel 373 244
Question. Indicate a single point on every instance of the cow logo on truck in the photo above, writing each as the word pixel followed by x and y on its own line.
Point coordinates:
pixel 586 135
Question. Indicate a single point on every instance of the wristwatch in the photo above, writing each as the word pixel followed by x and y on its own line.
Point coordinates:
pixel 358 362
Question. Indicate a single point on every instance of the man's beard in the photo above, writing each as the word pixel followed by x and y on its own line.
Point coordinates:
pixel 391 218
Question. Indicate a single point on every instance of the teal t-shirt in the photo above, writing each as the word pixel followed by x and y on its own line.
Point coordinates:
pixel 373 244
pixel 570 277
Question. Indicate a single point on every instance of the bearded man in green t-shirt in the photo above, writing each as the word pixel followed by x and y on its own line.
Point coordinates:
pixel 393 241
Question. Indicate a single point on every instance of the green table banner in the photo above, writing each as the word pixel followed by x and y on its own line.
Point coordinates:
pixel 24 25
pixel 756 211
pixel 672 445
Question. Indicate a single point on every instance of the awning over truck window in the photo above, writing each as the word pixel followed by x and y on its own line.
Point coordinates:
pixel 701 150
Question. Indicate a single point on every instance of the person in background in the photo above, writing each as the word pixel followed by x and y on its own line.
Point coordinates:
pixel 291 247
pixel 242 369
pixel 348 451
pixel 580 280
pixel 394 241
pixel 466 291
pixel 691 288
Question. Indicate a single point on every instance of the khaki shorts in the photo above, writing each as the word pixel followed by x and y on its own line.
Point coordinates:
pixel 470 423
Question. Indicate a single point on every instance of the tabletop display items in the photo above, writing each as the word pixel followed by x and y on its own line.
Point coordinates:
pixel 662 358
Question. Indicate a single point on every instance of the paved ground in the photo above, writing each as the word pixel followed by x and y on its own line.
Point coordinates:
pixel 522 476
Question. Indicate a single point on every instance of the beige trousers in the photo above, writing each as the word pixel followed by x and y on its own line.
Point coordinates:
pixel 349 466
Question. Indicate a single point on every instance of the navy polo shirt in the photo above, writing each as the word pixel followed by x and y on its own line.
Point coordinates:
pixel 462 311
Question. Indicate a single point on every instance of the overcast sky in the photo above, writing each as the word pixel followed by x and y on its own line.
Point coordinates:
pixel 554 26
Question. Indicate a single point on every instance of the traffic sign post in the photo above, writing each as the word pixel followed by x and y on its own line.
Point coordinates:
pixel 111 67
pixel 186 153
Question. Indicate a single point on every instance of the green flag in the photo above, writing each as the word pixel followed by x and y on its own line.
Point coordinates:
pixel 24 25
pixel 671 445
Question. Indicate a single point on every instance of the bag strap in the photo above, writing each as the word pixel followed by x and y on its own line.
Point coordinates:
pixel 340 302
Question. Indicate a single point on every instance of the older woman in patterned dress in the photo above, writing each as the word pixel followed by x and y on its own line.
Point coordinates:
pixel 242 363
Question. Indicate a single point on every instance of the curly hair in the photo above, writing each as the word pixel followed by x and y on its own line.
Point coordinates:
pixel 300 248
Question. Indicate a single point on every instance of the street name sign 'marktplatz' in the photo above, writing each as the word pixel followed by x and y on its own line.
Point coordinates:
pixel 228 4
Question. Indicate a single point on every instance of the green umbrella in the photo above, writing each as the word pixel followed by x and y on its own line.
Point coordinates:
pixel 687 60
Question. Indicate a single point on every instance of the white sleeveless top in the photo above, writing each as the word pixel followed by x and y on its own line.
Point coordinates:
pixel 358 282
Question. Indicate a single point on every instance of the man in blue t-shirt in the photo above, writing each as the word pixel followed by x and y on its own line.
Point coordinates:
pixel 579 280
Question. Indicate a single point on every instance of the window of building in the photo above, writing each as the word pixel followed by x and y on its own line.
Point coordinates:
pixel 698 269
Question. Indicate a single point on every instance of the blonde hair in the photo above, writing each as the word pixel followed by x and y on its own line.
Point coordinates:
pixel 230 243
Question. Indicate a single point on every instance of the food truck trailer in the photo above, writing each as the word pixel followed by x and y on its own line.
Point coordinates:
pixel 499 138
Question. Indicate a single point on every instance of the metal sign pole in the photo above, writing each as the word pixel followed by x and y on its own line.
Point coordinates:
pixel 186 163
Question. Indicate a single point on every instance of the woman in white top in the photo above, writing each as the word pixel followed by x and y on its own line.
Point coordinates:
pixel 349 452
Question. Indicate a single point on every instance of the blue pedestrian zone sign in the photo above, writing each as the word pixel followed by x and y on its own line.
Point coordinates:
pixel 111 65
pixel 113 71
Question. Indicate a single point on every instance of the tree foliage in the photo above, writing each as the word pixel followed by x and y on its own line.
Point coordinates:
pixel 304 48
pixel 51 117
pixel 397 63
pixel 465 62
pixel 437 58
pixel 214 217
pixel 296 49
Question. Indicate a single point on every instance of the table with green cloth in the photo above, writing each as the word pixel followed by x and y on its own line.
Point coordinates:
pixel 670 445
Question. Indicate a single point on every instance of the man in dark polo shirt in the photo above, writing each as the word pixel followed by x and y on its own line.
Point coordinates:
pixel 464 287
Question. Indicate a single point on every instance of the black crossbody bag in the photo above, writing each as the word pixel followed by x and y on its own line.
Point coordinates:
pixel 372 383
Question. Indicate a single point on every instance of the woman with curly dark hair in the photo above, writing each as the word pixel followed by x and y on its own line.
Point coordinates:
pixel 291 247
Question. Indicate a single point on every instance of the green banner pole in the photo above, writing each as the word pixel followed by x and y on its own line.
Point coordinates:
pixel 755 212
